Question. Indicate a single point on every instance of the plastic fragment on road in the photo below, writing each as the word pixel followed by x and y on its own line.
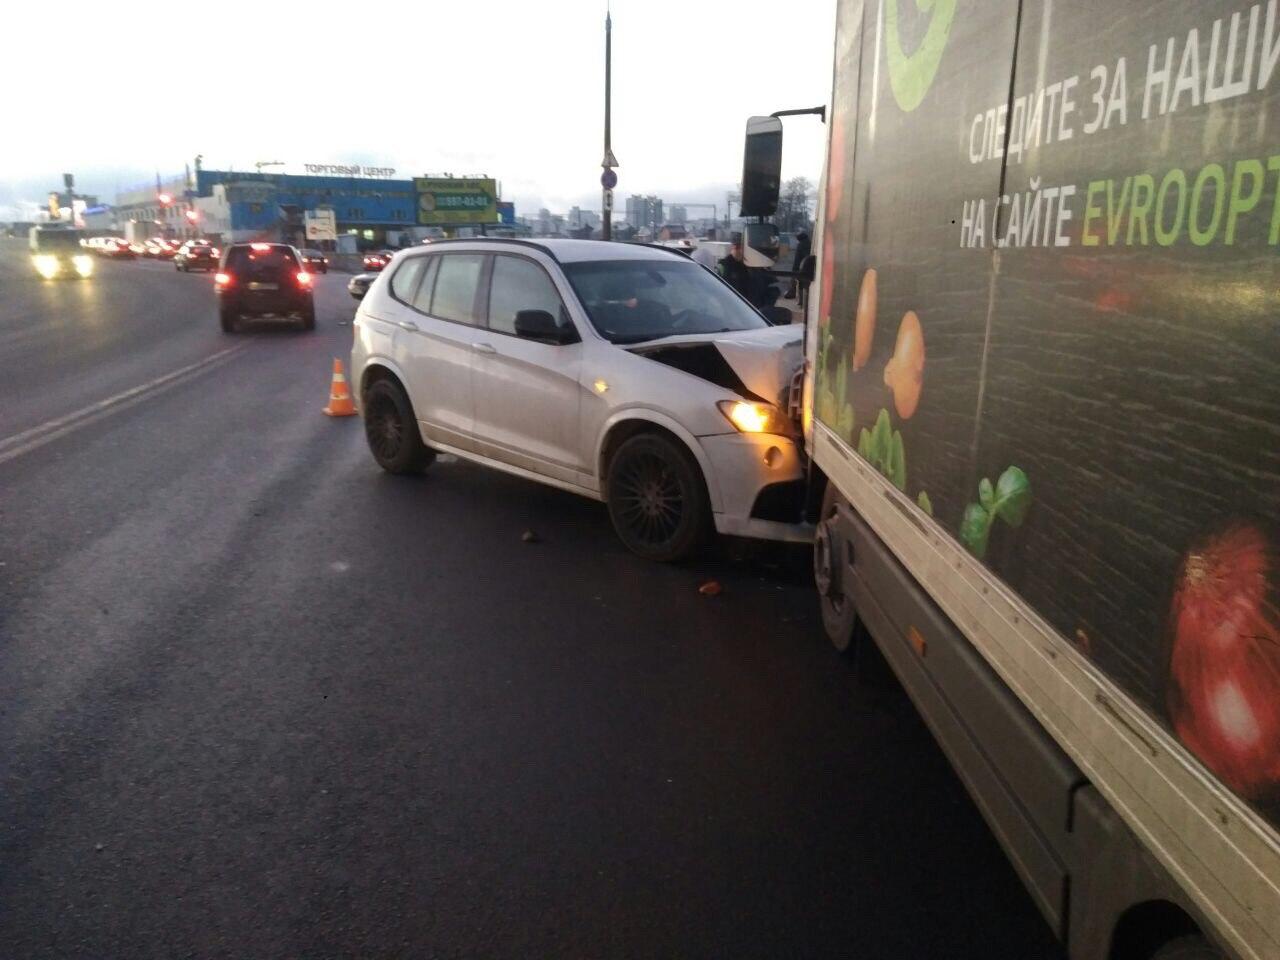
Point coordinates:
pixel 711 588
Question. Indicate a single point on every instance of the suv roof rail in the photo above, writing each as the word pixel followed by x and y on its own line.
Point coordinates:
pixel 515 241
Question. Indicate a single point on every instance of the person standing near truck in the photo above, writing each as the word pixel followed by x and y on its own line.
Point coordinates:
pixel 737 274
pixel 803 248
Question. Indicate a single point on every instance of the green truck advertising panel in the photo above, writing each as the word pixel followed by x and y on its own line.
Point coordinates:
pixel 1049 315
pixel 447 201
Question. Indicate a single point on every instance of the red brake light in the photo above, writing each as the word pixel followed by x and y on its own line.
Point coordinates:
pixel 222 279
pixel 304 278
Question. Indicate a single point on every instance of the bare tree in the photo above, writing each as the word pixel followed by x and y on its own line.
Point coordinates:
pixel 794 205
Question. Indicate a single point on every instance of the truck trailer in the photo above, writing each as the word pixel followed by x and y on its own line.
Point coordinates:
pixel 1042 405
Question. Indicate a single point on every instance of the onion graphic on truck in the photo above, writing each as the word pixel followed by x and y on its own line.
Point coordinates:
pixel 1007 499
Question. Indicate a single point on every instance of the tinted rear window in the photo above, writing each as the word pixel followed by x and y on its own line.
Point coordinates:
pixel 273 259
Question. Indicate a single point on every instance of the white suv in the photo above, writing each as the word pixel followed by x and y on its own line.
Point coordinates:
pixel 622 372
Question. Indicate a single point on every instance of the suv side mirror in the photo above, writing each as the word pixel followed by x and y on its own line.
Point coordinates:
pixel 542 326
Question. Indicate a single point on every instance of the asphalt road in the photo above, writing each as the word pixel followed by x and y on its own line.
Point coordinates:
pixel 258 699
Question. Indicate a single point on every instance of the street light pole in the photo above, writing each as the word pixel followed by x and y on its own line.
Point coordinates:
pixel 606 204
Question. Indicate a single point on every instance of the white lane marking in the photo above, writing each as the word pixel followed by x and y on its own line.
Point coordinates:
pixel 28 440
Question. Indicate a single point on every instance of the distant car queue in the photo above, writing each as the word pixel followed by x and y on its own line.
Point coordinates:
pixel 187 255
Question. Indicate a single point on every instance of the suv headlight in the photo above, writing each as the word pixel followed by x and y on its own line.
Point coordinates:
pixel 751 417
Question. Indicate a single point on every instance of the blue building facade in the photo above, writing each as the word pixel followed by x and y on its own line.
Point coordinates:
pixel 242 206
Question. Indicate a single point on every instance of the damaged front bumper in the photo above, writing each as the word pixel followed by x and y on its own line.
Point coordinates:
pixel 760 479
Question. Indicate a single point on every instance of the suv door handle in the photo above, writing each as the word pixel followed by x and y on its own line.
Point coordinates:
pixel 483 348
pixel 407 325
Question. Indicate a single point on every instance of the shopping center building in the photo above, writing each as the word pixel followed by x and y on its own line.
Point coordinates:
pixel 362 211
pixel 367 209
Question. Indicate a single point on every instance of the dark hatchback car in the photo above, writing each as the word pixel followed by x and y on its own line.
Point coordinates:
pixel 196 255
pixel 315 261
pixel 263 280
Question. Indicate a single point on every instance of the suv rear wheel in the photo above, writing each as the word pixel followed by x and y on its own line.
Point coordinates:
pixel 309 317
pixel 657 499
pixel 228 319
pixel 391 430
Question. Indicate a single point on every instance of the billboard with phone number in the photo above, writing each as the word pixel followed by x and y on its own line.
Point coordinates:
pixel 447 201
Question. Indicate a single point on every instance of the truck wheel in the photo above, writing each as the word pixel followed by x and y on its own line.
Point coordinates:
pixel 1193 947
pixel 657 499
pixel 228 320
pixel 839 616
pixel 391 430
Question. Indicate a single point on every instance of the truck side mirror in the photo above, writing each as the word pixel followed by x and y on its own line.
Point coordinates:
pixel 761 167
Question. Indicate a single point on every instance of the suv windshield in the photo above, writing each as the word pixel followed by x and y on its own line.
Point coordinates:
pixel 629 301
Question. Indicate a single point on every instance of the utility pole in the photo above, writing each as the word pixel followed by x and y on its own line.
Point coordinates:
pixel 608 179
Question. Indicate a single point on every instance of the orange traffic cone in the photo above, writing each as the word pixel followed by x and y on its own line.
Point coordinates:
pixel 340 403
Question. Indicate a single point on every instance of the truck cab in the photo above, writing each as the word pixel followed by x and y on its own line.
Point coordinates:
pixel 58 252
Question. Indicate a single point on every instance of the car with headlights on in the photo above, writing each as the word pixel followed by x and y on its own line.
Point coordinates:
pixel 196 255
pixel 622 372
pixel 59 252
pixel 315 261
pixel 160 248
pixel 115 248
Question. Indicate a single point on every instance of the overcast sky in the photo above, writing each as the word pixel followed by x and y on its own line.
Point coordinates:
pixel 508 88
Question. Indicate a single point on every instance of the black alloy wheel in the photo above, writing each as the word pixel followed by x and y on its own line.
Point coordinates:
pixel 657 499
pixel 392 431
